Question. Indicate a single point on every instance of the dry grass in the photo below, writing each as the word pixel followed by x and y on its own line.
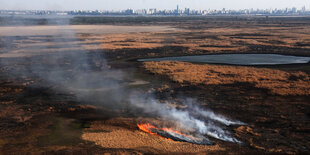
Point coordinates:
pixel 77 29
pixel 112 136
pixel 278 82
pixel 212 40
pixel 125 40
pixel 157 39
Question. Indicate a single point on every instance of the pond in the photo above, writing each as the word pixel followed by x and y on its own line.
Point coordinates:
pixel 238 59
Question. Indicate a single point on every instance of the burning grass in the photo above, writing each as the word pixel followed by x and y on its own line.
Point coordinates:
pixel 27 115
pixel 172 134
pixel 278 82
pixel 112 135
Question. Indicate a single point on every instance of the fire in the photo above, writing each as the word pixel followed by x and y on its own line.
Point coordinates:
pixel 171 134
pixel 148 128
pixel 145 128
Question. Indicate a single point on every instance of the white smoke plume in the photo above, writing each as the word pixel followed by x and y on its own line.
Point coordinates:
pixel 95 83
pixel 188 118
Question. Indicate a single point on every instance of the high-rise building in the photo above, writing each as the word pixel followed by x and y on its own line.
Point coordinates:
pixel 177 11
pixel 187 11
pixel 303 9
pixel 294 9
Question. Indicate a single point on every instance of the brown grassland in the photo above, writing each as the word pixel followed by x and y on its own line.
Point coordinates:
pixel 38 116
pixel 278 82
pixel 209 40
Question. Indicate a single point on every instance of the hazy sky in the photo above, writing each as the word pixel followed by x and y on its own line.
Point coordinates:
pixel 138 4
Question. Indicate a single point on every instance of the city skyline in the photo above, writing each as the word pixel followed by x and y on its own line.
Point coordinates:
pixel 144 4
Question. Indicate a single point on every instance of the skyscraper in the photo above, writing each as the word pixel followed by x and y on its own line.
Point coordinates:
pixel 303 9
pixel 177 11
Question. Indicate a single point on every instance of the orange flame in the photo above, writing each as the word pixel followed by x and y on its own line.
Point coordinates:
pixel 147 127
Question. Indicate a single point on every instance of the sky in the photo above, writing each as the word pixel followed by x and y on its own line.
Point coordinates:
pixel 142 4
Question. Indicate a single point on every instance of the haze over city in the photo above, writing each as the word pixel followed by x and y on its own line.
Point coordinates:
pixel 142 4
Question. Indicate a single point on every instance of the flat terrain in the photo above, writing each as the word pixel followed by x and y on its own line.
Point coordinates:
pixel 65 88
pixel 40 30
pixel 29 40
pixel 276 81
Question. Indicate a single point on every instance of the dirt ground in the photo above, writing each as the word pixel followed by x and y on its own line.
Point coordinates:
pixel 44 116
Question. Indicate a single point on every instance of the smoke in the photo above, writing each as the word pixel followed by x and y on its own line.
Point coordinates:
pixel 208 114
pixel 88 75
pixel 193 118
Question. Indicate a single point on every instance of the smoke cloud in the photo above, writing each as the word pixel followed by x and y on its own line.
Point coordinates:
pixel 193 118
pixel 89 77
